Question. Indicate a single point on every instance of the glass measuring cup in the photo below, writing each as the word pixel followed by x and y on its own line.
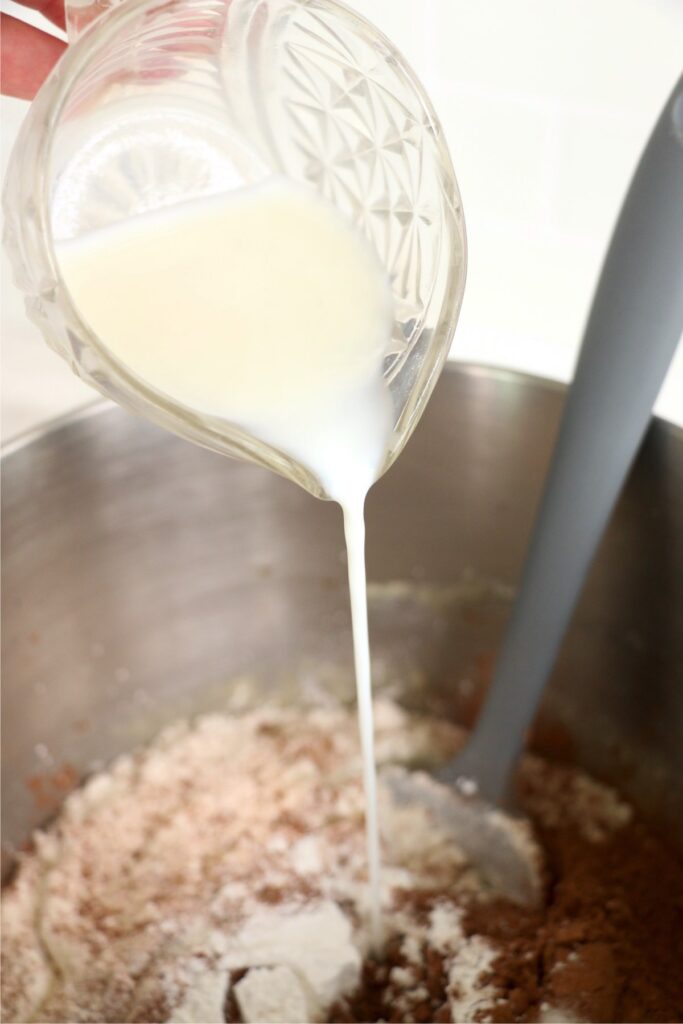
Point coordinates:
pixel 161 101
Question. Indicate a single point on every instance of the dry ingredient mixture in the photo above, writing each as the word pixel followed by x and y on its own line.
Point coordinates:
pixel 220 875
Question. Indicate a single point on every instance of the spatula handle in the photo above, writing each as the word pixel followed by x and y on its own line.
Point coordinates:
pixel 633 329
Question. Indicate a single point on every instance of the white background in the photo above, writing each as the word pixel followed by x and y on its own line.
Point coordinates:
pixel 546 105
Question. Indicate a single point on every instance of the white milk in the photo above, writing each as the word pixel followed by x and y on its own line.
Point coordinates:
pixel 264 308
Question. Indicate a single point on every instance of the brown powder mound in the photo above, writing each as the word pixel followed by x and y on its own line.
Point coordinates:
pixel 606 946
pixel 170 876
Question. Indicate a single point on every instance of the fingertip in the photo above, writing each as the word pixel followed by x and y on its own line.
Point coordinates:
pixel 28 55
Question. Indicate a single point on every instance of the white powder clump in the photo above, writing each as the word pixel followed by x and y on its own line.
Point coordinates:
pixel 204 999
pixel 469 996
pixel 568 795
pixel 306 856
pixel 444 927
pixel 26 971
pixel 316 942
pixel 268 995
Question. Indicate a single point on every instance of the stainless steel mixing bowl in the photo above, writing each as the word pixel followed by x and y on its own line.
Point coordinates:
pixel 145 578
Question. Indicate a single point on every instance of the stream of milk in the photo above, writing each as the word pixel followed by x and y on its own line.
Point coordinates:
pixel 266 309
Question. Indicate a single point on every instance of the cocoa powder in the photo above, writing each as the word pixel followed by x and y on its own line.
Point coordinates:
pixel 606 946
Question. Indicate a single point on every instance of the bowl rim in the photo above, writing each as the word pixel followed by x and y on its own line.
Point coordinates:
pixel 99 405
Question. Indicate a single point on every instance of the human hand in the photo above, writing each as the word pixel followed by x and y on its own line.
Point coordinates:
pixel 28 54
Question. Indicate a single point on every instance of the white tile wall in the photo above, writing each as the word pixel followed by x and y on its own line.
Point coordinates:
pixel 546 105
pixel 576 53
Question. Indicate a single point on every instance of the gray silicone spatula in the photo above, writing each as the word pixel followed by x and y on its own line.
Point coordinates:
pixel 632 332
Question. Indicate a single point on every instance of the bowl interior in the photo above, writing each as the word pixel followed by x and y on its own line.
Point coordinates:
pixel 145 578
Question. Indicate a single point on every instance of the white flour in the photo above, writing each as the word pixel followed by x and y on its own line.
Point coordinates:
pixel 227 862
